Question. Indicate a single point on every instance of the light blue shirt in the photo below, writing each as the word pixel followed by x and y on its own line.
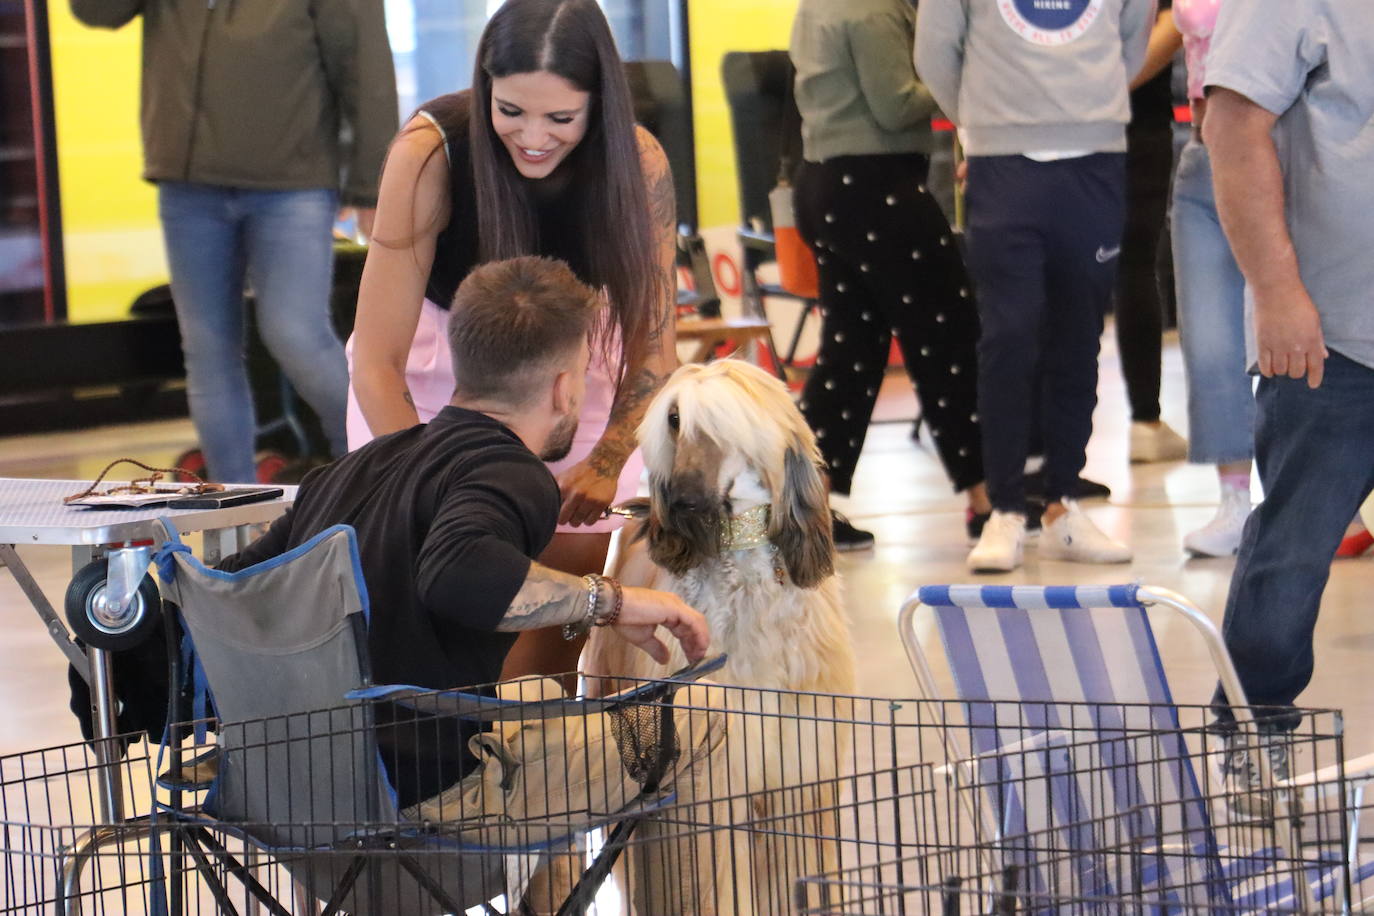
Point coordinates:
pixel 1312 63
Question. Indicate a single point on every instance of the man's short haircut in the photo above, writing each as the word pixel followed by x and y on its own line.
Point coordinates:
pixel 512 325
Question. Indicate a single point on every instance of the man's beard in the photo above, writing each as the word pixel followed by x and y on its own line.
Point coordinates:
pixel 560 439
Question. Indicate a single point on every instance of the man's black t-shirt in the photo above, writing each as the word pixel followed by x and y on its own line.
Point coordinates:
pixel 448 516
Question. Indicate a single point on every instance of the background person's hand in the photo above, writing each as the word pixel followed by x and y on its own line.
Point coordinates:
pixel 645 610
pixel 961 175
pixel 366 217
pixel 587 491
pixel 1288 336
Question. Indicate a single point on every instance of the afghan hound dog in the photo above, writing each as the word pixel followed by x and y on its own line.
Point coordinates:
pixel 739 527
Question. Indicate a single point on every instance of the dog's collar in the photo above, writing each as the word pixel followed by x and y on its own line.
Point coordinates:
pixel 749 529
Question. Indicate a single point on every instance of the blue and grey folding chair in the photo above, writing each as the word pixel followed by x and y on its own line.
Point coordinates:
pixel 1071 718
pixel 301 777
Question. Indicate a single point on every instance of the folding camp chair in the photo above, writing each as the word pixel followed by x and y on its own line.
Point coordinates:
pixel 662 107
pixel 1026 659
pixel 756 89
pixel 302 777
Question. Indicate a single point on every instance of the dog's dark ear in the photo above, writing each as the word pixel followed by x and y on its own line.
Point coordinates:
pixel 800 525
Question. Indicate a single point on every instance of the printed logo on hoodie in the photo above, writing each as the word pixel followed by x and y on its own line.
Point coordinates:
pixel 1050 22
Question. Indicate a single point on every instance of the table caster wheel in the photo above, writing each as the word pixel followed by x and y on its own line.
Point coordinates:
pixel 101 626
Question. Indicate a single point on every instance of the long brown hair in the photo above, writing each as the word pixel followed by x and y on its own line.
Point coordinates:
pixel 570 38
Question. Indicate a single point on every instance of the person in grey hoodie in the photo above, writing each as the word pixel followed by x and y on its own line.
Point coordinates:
pixel 1039 92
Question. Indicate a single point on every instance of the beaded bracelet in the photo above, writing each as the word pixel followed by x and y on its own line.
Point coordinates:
pixel 614 615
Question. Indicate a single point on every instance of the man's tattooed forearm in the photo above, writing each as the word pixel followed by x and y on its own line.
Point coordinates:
pixel 547 599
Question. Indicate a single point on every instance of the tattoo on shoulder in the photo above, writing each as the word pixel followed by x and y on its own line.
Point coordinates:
pixel 409 400
pixel 667 291
pixel 662 198
pixel 548 598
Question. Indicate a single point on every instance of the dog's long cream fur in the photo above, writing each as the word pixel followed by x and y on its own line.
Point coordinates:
pixel 719 440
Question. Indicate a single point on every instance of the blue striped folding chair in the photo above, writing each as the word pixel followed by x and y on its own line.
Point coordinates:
pixel 1071 720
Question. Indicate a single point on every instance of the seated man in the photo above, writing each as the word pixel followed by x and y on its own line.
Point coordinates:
pixel 448 515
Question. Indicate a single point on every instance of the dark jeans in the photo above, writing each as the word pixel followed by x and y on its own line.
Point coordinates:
pixel 1043 244
pixel 1139 311
pixel 1315 454
pixel 888 265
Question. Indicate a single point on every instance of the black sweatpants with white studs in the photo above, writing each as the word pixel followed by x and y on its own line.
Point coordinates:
pixel 888 265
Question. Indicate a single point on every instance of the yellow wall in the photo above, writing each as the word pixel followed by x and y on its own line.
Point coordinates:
pixel 113 243
pixel 718 26
pixel 109 214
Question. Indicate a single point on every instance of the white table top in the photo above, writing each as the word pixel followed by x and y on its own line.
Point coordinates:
pixel 31 512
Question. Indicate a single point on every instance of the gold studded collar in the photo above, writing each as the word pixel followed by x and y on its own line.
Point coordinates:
pixel 749 529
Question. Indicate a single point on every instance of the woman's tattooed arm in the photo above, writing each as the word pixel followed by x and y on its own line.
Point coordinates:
pixel 642 382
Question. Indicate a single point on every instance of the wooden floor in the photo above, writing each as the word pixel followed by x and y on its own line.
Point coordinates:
pixel 900 494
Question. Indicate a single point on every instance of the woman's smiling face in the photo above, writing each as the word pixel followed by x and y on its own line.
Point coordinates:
pixel 540 118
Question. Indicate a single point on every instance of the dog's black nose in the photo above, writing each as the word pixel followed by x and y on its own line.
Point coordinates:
pixel 685 504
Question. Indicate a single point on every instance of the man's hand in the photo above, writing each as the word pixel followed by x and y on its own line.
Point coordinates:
pixel 645 610
pixel 1288 335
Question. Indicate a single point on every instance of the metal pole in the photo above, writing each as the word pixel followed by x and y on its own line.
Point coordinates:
pixel 103 721
pixel 684 53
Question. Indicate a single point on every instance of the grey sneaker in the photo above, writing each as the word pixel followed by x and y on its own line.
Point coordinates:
pixel 1240 771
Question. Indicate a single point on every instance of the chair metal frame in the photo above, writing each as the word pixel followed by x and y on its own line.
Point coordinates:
pixel 1287 809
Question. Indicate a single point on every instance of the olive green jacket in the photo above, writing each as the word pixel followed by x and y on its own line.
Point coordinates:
pixel 856 87
pixel 262 94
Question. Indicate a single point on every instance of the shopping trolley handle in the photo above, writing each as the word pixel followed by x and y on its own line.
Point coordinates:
pixel 662 690
pixel 479 707
pixel 698 671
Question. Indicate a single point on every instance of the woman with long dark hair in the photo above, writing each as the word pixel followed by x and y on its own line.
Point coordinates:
pixel 541 156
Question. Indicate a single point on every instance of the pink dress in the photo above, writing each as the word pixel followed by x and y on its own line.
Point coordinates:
pixel 1196 20
pixel 429 376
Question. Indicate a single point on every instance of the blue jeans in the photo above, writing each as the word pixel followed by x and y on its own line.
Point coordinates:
pixel 1315 453
pixel 1211 318
pixel 220 240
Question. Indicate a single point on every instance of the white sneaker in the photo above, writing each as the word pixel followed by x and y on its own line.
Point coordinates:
pixel 1074 537
pixel 1151 442
pixel 999 547
pixel 1221 536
